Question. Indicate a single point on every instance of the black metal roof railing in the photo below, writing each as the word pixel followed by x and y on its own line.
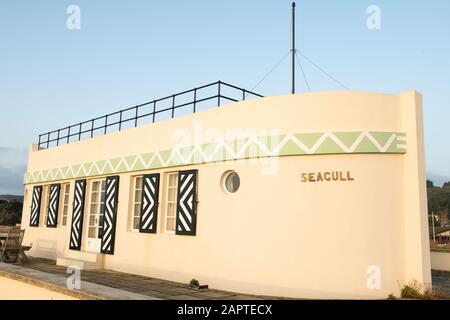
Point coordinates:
pixel 153 111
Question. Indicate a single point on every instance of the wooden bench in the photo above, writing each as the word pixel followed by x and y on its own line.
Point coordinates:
pixel 11 248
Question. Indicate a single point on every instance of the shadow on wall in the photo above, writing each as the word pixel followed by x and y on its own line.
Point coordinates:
pixel 46 249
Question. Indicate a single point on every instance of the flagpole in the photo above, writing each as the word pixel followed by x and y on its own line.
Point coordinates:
pixel 293 47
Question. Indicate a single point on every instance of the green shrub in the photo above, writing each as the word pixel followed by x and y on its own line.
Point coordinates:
pixel 412 291
pixel 194 283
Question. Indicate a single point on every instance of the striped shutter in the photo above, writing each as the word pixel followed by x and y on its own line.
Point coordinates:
pixel 149 203
pixel 110 215
pixel 35 206
pixel 77 215
pixel 186 222
pixel 52 214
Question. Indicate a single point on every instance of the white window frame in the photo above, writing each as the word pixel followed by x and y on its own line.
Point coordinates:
pixel 98 202
pixel 46 197
pixel 135 201
pixel 65 191
pixel 167 202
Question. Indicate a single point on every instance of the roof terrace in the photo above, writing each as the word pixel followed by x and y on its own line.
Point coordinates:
pixel 201 98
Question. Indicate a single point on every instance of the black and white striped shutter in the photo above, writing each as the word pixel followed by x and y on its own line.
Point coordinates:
pixel 186 222
pixel 53 206
pixel 110 215
pixel 35 206
pixel 149 203
pixel 77 215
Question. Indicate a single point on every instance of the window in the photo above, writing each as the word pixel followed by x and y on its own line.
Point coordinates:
pixel 97 203
pixel 137 198
pixel 171 201
pixel 231 181
pixel 46 197
pixel 65 203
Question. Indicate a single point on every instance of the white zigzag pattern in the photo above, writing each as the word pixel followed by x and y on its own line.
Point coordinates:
pixel 216 152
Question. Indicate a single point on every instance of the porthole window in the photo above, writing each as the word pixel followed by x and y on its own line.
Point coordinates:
pixel 231 182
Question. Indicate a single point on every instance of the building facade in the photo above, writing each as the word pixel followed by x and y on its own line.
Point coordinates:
pixel 318 195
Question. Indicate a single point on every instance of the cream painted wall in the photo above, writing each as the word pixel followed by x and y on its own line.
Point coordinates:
pixel 276 235
pixel 18 290
pixel 416 231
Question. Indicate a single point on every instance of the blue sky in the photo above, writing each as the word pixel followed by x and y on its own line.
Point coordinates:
pixel 128 52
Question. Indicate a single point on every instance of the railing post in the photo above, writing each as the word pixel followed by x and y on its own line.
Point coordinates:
pixel 48 140
pixel 195 99
pixel 154 110
pixel 120 121
pixel 68 134
pixel 218 96
pixel 136 117
pixel 173 106
pixel 57 138
pixel 92 128
pixel 39 143
pixel 243 94
pixel 106 123
pixel 79 131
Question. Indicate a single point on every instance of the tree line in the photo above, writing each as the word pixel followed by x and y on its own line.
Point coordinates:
pixel 439 203
pixel 10 212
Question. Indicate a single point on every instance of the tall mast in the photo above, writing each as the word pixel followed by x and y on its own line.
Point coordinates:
pixel 293 47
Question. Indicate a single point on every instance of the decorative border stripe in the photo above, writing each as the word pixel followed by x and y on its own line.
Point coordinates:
pixel 253 147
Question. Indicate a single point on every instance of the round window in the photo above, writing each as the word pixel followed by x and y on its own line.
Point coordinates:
pixel 231 181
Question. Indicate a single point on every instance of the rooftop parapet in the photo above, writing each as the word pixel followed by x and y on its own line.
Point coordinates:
pixel 171 106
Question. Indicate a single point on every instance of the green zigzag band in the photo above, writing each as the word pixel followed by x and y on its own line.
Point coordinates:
pixel 253 147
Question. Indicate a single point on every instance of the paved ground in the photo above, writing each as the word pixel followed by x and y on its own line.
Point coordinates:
pixel 142 286
pixel 441 282
pixel 107 284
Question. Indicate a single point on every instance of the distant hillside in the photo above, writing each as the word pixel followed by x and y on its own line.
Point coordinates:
pixel 10 212
pixel 8 197
pixel 10 209
pixel 439 203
